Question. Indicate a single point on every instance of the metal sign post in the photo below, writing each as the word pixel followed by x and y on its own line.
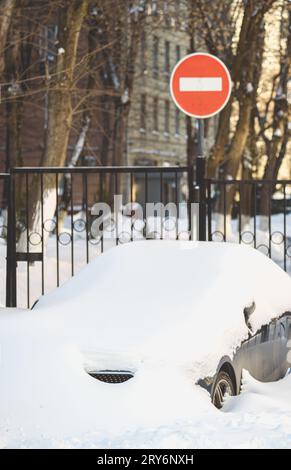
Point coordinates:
pixel 200 180
pixel 200 87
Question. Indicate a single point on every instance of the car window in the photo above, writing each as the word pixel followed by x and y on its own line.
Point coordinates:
pixel 281 328
pixel 272 331
pixel 265 333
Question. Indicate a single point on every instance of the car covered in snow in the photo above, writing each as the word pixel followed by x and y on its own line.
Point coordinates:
pixel 212 306
pixel 135 338
pixel 264 353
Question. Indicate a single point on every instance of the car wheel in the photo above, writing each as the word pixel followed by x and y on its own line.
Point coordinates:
pixel 223 386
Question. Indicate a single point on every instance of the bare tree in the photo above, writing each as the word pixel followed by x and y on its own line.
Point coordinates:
pixel 118 37
pixel 243 67
pixel 6 12
pixel 213 29
pixel 276 144
pixel 60 111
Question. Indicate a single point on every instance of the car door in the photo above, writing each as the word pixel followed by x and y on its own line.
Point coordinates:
pixel 288 345
pixel 247 357
pixel 280 351
pixel 265 354
pixel 261 358
pixel 271 350
pixel 283 344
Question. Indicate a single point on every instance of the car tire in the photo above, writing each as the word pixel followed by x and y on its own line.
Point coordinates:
pixel 223 386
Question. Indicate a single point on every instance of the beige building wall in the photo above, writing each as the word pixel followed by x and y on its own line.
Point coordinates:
pixel 157 129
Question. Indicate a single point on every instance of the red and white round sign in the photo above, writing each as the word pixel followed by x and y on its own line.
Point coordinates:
pixel 200 85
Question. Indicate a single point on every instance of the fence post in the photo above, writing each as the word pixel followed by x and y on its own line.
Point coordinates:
pixel 200 181
pixel 11 245
pixel 191 198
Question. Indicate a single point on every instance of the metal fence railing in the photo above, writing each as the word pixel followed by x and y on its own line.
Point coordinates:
pixel 56 220
pixel 252 212
pixel 4 183
pixel 65 217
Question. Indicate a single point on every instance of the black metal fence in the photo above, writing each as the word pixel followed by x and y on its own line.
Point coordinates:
pixel 59 219
pixel 252 212
pixel 4 188
pixel 65 217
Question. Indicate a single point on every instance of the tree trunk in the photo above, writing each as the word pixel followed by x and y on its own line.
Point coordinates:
pixel 60 92
pixel 250 157
pixel 251 52
pixel 6 11
pixel 254 12
pixel 67 180
pixel 60 115
pixel 277 147
pixel 14 70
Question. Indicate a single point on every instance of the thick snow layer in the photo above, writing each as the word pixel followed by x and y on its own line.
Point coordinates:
pixel 166 310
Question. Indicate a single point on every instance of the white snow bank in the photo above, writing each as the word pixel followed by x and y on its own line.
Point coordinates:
pixel 167 310
pixel 259 418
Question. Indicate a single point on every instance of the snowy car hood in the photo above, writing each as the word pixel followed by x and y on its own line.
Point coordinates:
pixel 179 302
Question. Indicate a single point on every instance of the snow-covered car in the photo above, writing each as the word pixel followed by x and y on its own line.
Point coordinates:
pixel 263 354
pixel 168 315
pixel 150 299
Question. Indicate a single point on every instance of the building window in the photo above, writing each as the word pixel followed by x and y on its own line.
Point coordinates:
pixel 167 57
pixel 177 13
pixel 156 114
pixel 177 121
pixel 178 53
pixel 143 112
pixel 167 117
pixel 155 7
pixel 47 46
pixel 155 57
pixel 166 14
pixel 143 49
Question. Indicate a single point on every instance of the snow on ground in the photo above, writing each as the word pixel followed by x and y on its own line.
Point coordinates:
pixel 259 418
pixel 166 310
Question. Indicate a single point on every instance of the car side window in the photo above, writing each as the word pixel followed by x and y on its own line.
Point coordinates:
pixel 265 333
pixel 272 331
pixel 281 328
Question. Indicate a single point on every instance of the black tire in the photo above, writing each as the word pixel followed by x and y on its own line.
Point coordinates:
pixel 223 386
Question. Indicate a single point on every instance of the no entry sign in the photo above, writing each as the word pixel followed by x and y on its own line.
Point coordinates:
pixel 200 85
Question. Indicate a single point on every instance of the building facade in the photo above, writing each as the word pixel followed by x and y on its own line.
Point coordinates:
pixel 157 128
